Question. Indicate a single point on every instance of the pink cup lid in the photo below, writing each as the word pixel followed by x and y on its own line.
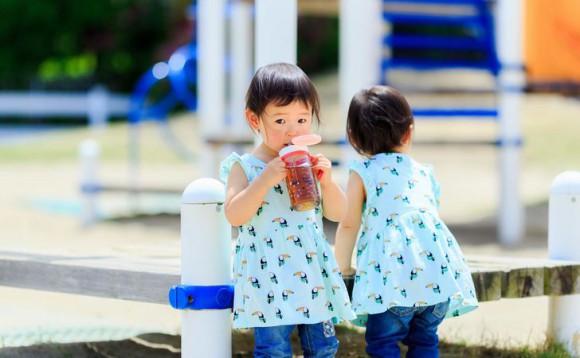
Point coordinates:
pixel 307 139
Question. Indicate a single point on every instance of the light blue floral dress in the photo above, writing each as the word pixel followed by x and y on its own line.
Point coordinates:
pixel 284 269
pixel 406 256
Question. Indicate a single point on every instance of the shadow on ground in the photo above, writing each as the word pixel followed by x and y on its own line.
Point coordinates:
pixel 168 346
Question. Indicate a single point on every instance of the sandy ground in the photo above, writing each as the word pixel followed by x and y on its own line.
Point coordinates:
pixel 40 206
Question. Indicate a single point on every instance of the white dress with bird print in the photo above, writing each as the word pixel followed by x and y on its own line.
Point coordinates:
pixel 406 255
pixel 284 269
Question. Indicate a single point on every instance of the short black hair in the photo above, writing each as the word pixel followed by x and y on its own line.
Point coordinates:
pixel 378 118
pixel 281 83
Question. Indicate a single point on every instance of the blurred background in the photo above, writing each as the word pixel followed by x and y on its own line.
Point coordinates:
pixel 99 135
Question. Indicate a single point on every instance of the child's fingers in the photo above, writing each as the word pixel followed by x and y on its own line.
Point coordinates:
pixel 313 159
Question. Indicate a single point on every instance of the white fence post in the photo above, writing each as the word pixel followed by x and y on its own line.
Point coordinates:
pixel 89 155
pixel 98 107
pixel 205 261
pixel 564 244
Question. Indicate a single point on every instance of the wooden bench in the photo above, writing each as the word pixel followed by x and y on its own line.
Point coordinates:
pixel 149 279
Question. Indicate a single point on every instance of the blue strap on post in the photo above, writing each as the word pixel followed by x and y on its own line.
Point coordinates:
pixel 201 297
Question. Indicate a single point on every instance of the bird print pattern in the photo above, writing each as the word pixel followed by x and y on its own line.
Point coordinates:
pixel 405 254
pixel 284 270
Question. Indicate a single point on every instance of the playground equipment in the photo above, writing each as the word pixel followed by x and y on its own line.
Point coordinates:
pixel 179 71
pixel 219 61
pixel 464 28
pixel 552 43
pixel 367 55
pixel 205 263
pixel 435 35
pixel 150 101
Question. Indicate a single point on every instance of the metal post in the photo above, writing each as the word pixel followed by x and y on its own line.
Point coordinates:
pixel 564 244
pixel 205 261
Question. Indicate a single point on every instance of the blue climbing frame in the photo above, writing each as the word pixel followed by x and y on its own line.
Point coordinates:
pixel 440 34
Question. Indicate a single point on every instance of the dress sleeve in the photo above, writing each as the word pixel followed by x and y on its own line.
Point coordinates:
pixel 434 184
pixel 227 164
pixel 359 168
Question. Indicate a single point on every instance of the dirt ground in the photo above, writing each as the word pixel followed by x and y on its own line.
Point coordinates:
pixel 40 208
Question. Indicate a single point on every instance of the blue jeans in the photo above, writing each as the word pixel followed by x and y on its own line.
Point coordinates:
pixel 416 327
pixel 317 340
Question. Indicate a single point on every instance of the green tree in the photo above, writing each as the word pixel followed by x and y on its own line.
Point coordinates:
pixel 50 42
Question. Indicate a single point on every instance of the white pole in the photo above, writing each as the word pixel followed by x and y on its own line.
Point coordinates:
pixel 89 155
pixel 211 66
pixel 361 29
pixel 241 40
pixel 511 225
pixel 564 244
pixel 205 261
pixel 276 31
pixel 509 39
pixel 211 74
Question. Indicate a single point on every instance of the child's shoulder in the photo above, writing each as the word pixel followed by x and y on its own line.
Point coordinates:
pixel 228 163
pixel 248 162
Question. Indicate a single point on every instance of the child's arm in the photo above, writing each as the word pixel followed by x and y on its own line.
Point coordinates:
pixel 243 199
pixel 333 198
pixel 348 228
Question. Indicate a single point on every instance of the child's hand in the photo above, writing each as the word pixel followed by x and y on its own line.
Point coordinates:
pixel 274 172
pixel 322 167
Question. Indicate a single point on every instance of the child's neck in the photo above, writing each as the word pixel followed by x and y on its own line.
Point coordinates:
pixel 264 153
pixel 403 148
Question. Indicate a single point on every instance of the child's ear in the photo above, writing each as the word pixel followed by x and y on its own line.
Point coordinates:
pixel 407 136
pixel 253 120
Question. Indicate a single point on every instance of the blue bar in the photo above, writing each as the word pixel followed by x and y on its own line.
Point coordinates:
pixel 435 42
pixel 489 65
pixel 430 18
pixel 467 112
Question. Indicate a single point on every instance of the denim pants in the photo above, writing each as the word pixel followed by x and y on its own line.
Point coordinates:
pixel 317 340
pixel 416 327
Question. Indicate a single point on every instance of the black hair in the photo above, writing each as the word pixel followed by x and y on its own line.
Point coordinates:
pixel 378 119
pixel 281 83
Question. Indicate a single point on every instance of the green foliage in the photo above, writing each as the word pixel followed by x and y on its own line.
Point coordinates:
pixel 107 41
pixel 317 44
pixel 72 44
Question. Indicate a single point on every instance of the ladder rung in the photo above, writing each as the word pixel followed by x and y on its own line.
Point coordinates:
pixel 489 65
pixel 456 112
pixel 435 42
